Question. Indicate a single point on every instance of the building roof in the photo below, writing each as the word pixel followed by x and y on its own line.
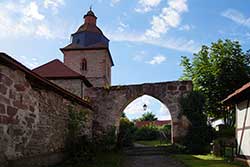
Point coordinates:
pixel 242 93
pixel 41 81
pixel 86 27
pixel 55 69
pixel 89 36
pixel 90 13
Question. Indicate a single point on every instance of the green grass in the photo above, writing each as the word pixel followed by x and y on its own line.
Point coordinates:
pixel 108 159
pixel 206 161
pixel 153 143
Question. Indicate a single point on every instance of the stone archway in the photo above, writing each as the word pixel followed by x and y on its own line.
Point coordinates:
pixel 131 110
pixel 108 103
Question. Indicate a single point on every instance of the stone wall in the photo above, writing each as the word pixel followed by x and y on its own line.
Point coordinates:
pixel 98 65
pixel 109 103
pixel 33 118
pixel 75 86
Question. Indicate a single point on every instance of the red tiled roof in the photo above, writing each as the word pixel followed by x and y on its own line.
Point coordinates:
pixel 239 93
pixel 55 69
pixel 156 123
pixel 12 63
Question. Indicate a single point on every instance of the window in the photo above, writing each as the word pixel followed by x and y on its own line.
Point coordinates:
pixel 78 41
pixel 84 64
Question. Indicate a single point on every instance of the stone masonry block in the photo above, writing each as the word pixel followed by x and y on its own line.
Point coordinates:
pixel 11 111
pixel 182 88
pixel 5 80
pixel 3 89
pixel 2 109
pixel 20 87
pixel 172 87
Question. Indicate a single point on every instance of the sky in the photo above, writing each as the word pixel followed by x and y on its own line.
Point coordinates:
pixel 135 109
pixel 147 37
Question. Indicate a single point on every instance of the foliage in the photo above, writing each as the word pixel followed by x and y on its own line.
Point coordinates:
pixel 166 129
pixel 148 116
pixel 149 132
pixel 126 132
pixel 217 71
pixel 108 140
pixel 123 115
pixel 199 134
pixel 78 146
pixel 206 161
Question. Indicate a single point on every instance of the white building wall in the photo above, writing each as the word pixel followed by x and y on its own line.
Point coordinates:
pixel 241 109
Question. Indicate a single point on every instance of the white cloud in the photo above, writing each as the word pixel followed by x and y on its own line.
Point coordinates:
pixel 114 2
pixel 44 31
pixel 178 5
pixel 237 17
pixel 185 27
pixel 53 4
pixel 170 17
pixel 147 5
pixel 164 113
pixel 31 12
pixel 140 56
pixel 135 108
pixel 157 60
pixel 28 62
pixel 23 19
pixel 122 26
pixel 179 44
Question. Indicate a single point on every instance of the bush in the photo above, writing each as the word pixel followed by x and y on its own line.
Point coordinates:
pixel 166 130
pixel 79 147
pixel 108 140
pixel 126 132
pixel 150 132
pixel 199 134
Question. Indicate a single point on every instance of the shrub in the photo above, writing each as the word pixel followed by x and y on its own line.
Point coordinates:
pixel 78 147
pixel 199 134
pixel 166 130
pixel 149 132
pixel 108 141
pixel 126 132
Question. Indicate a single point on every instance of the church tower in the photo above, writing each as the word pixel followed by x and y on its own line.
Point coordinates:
pixel 88 53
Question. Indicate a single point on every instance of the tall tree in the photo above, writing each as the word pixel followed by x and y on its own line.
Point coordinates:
pixel 217 71
pixel 148 116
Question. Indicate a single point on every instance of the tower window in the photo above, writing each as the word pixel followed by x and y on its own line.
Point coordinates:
pixel 84 64
pixel 78 41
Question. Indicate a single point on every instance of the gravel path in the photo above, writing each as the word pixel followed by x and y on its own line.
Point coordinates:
pixel 151 161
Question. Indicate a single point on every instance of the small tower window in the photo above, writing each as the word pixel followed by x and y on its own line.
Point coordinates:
pixel 78 41
pixel 84 64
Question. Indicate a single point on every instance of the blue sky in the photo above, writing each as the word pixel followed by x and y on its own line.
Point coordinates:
pixel 148 37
